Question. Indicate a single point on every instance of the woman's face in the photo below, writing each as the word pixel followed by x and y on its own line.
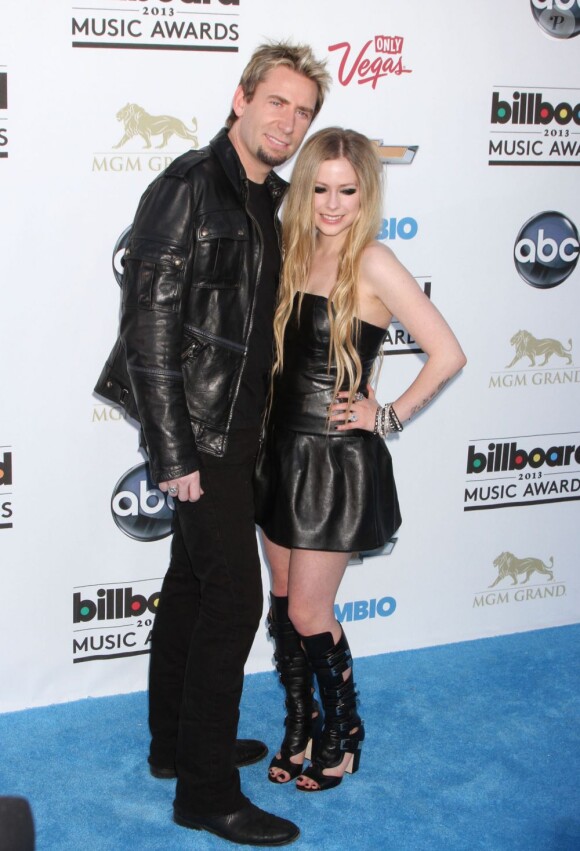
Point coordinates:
pixel 336 197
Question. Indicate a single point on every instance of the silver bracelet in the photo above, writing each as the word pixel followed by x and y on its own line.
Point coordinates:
pixel 395 422
pixel 377 420
pixel 386 420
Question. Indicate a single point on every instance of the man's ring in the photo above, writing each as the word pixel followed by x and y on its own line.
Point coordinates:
pixel 358 397
pixel 173 491
pixel 353 418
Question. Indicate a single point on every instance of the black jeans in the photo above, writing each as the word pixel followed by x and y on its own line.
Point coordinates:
pixel 209 611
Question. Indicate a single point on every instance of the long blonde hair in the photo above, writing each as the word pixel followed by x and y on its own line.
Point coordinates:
pixel 299 241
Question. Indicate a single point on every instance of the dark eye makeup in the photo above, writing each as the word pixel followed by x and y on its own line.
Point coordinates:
pixel 319 190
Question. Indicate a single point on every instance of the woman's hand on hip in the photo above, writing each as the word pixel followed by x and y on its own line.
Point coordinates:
pixel 361 414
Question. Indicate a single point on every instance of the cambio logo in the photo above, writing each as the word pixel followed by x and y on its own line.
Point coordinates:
pixel 392 228
pixel 558 18
pixel 139 509
pixel 546 250
pixel 358 610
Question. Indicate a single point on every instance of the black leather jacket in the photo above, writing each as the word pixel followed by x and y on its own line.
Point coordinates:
pixel 188 296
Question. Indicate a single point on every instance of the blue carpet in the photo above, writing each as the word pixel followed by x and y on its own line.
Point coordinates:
pixel 469 746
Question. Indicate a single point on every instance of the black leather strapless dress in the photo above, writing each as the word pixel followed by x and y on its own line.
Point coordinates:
pixel 317 488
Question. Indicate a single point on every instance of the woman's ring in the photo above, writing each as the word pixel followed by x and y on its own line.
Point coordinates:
pixel 358 397
pixel 172 491
pixel 353 418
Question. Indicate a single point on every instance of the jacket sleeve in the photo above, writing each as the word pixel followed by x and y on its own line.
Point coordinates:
pixel 155 290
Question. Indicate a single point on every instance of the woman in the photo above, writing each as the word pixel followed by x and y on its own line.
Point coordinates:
pixel 324 481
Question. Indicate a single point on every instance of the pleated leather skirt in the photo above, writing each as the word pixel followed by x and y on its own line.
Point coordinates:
pixel 331 492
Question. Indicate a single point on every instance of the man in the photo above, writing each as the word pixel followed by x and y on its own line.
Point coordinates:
pixel 199 289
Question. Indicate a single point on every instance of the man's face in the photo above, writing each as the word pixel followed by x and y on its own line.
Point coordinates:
pixel 270 128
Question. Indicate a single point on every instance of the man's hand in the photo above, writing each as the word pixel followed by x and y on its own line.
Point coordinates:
pixel 186 489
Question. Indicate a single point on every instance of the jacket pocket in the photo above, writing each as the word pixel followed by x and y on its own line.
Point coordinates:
pixel 153 277
pixel 220 245
pixel 192 345
pixel 210 368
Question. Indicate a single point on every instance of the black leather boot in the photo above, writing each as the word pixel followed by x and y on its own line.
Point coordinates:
pixel 296 677
pixel 343 731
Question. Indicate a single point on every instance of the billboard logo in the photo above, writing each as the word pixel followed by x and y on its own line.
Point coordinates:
pixel 113 604
pixel 113 621
pixel 158 25
pixel 531 108
pixel 546 250
pixel 139 509
pixel 6 510
pixel 523 470
pixel 6 469
pixel 3 108
pixel 534 128
pixel 509 457
pixel 557 18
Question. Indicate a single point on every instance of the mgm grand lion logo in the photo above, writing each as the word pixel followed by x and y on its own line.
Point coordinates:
pixel 526 345
pixel 137 122
pixel 508 565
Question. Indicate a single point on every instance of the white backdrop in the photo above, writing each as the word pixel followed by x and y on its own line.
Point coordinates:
pixel 421 73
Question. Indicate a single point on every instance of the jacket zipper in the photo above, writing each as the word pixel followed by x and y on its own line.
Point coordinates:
pixel 252 311
pixel 214 338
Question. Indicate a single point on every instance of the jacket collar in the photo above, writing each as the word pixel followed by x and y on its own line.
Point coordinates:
pixel 231 164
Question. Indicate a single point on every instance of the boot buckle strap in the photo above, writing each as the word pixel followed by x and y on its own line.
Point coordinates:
pixel 350 745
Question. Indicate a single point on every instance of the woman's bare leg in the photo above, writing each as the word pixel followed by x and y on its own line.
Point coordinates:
pixel 279 560
pixel 313 582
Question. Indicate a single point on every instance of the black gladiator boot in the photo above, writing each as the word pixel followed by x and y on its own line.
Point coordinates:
pixel 296 677
pixel 343 731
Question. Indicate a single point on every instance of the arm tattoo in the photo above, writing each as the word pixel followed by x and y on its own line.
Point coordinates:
pixel 426 401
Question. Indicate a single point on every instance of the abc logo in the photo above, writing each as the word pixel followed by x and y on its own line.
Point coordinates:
pixel 119 253
pixel 546 250
pixel 558 18
pixel 139 509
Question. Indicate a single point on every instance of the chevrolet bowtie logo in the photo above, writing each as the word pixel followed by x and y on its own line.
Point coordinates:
pixel 395 154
